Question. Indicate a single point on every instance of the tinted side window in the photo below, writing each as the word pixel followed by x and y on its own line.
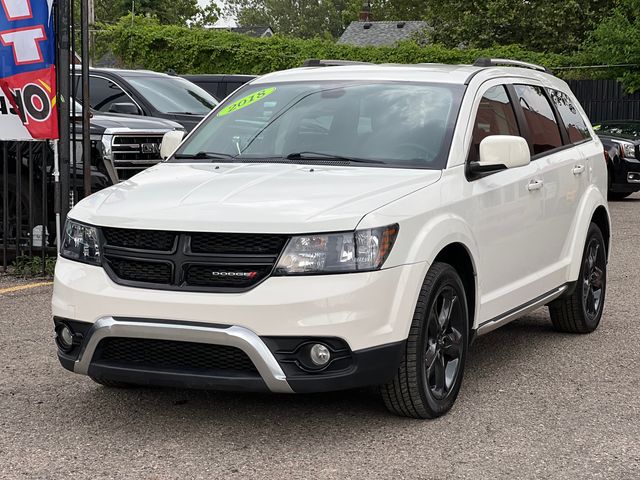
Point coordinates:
pixel 105 93
pixel 573 121
pixel 543 128
pixel 495 117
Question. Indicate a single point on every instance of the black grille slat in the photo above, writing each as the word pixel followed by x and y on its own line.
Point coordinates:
pixel 134 153
pixel 237 243
pixel 140 271
pixel 136 140
pixel 223 262
pixel 140 239
pixel 172 355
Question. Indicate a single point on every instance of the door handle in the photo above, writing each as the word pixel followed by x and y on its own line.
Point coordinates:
pixel 578 169
pixel 535 185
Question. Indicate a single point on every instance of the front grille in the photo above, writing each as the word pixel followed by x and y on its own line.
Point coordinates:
pixel 237 243
pixel 210 262
pixel 135 270
pixel 133 153
pixel 140 239
pixel 228 277
pixel 171 355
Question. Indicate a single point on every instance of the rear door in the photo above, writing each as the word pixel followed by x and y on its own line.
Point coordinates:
pixel 563 173
pixel 572 172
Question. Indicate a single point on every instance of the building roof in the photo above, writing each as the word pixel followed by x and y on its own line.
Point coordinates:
pixel 254 30
pixel 257 31
pixel 380 33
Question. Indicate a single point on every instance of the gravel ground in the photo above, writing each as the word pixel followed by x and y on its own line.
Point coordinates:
pixel 534 404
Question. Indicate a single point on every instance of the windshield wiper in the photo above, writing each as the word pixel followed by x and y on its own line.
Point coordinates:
pixel 202 156
pixel 329 156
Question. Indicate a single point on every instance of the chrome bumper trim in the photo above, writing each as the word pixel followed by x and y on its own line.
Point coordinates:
pixel 234 336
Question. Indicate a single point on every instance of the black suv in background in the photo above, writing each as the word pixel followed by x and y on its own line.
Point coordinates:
pixel 621 140
pixel 152 94
pixel 220 86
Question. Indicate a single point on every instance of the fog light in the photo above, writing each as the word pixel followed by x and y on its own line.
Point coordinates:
pixel 320 355
pixel 65 337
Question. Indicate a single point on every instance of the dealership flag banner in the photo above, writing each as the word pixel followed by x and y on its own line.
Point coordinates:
pixel 27 71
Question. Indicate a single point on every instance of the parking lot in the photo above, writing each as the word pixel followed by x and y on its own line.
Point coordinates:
pixel 534 404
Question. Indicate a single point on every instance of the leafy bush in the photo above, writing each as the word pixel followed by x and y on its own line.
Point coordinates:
pixel 27 266
pixel 144 43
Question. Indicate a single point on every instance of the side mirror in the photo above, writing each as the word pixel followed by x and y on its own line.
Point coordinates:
pixel 170 142
pixel 499 152
pixel 125 108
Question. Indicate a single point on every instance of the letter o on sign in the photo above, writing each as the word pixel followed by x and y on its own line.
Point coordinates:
pixel 36 102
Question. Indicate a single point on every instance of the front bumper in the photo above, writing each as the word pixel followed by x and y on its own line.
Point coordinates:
pixel 368 367
pixel 626 176
pixel 369 313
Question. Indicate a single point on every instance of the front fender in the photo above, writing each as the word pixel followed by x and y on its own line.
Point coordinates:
pixel 422 237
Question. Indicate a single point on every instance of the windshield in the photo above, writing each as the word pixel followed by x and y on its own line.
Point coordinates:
pixel 399 124
pixel 173 94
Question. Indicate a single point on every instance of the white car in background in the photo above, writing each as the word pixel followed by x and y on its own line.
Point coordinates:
pixel 334 227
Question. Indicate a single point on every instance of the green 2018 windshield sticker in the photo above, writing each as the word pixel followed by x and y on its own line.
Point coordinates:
pixel 246 101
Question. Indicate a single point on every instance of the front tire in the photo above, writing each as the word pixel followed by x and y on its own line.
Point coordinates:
pixel 430 374
pixel 581 311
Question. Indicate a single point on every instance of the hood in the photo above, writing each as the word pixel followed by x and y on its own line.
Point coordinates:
pixel 258 198
pixel 102 121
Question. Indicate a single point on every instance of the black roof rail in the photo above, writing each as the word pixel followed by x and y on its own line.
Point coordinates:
pixel 314 62
pixel 494 62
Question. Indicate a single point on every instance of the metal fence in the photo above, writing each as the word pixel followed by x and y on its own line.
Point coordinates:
pixel 30 198
pixel 26 195
pixel 606 100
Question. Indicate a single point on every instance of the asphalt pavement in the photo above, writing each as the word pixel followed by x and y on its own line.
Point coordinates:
pixel 534 404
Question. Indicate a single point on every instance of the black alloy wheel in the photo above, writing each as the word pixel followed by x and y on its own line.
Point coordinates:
pixel 593 279
pixel 580 311
pixel 444 349
pixel 430 373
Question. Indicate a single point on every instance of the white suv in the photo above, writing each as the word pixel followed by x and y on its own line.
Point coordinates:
pixel 334 227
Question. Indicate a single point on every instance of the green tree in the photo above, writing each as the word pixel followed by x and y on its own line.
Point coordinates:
pixel 542 25
pixel 617 41
pixel 168 12
pixel 296 18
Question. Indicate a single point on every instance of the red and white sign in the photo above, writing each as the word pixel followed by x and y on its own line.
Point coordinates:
pixel 27 71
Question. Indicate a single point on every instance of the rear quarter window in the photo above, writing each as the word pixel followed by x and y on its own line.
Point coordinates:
pixel 571 117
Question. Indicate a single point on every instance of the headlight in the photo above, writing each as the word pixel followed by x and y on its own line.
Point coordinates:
pixel 80 243
pixel 362 250
pixel 628 150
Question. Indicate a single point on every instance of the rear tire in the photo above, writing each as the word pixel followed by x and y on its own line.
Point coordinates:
pixel 581 311
pixel 430 374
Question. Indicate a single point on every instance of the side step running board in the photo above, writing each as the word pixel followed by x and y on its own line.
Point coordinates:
pixel 518 312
